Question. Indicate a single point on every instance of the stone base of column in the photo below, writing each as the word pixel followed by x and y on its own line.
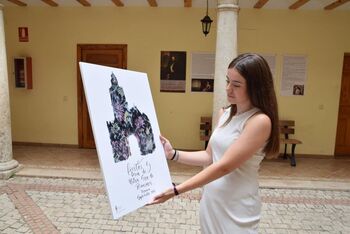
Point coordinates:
pixel 8 169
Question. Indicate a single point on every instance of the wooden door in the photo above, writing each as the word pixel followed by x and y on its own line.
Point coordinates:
pixel 108 55
pixel 342 145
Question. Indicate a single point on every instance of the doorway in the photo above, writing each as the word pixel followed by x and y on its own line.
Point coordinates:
pixel 103 54
pixel 342 144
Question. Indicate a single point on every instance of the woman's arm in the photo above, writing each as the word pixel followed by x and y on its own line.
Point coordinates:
pixel 254 136
pixel 196 158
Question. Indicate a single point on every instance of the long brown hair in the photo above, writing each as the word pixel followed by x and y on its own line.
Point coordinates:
pixel 255 70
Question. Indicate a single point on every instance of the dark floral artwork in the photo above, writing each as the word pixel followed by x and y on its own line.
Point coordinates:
pixel 127 122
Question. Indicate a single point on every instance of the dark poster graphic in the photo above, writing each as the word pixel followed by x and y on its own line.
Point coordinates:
pixel 298 90
pixel 126 123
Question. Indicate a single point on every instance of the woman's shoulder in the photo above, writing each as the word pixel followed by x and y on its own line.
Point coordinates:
pixel 259 118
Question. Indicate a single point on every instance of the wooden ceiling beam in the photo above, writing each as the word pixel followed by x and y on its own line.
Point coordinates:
pixel 298 4
pixel 84 3
pixel 188 3
pixel 259 4
pixel 152 3
pixel 17 2
pixel 118 3
pixel 50 2
pixel 335 4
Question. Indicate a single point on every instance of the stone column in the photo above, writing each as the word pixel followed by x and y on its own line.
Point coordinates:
pixel 8 166
pixel 226 50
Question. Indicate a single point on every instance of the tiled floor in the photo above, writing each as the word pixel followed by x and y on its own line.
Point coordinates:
pixel 315 200
pixel 85 159
pixel 57 205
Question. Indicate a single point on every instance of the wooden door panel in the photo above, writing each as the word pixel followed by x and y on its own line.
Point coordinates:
pixel 340 132
pixel 345 85
pixel 104 58
pixel 342 145
pixel 345 92
pixel 345 111
pixel 107 55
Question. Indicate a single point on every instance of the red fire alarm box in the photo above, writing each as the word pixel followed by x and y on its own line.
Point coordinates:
pixel 23 72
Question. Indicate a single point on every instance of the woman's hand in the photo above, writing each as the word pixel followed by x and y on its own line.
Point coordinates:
pixel 168 149
pixel 163 197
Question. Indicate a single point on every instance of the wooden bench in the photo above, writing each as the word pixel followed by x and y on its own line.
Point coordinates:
pixel 205 130
pixel 286 129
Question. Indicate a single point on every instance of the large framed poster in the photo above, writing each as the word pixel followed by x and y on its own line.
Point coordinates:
pixel 173 71
pixel 126 133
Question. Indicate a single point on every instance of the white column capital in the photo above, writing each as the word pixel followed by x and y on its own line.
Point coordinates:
pixel 228 5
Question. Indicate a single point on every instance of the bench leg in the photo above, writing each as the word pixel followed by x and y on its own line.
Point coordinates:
pixel 292 157
pixel 285 151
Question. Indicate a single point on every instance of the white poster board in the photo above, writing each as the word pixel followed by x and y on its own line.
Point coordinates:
pixel 126 135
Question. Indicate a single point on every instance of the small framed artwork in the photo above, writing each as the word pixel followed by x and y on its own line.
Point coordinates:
pixel 202 85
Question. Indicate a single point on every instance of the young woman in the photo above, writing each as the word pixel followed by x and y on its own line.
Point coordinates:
pixel 247 130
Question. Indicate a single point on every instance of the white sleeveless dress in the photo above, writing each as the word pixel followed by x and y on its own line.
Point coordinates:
pixel 231 204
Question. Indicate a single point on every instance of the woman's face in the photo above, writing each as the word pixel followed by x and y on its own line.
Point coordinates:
pixel 236 87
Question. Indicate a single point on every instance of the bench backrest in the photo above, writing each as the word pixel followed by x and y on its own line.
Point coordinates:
pixel 287 127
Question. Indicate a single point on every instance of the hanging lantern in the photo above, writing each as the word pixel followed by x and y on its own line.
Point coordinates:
pixel 206 23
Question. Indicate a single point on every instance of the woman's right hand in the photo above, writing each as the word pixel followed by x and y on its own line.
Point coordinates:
pixel 168 149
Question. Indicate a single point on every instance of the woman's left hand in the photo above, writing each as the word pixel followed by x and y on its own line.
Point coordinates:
pixel 168 148
pixel 163 197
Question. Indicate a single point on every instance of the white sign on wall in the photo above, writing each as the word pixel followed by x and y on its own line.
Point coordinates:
pixel 126 135
pixel 294 75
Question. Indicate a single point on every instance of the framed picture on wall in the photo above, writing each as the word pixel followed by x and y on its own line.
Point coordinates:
pixel 294 72
pixel 203 67
pixel 23 72
pixel 173 71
